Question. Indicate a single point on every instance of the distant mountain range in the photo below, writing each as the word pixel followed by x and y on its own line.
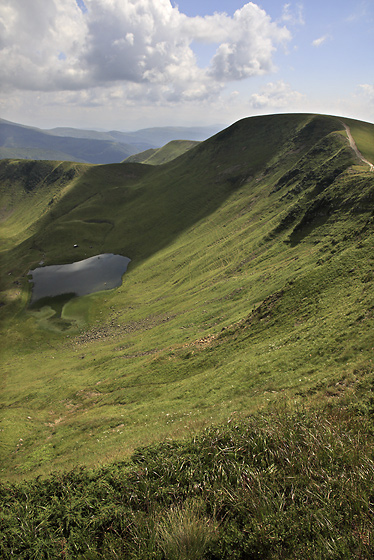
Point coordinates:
pixel 18 141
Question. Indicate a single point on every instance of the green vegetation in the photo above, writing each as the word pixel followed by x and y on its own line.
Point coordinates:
pixel 362 133
pixel 279 485
pixel 28 190
pixel 162 155
pixel 250 288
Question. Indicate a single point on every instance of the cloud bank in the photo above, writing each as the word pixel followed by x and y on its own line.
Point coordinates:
pixel 145 47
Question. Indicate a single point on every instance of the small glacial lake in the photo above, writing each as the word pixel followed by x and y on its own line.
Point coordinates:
pixel 102 272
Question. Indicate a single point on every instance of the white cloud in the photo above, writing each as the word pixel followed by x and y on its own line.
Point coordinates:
pixel 276 95
pixel 249 45
pixel 293 16
pixel 143 45
pixel 367 90
pixel 318 42
pixel 39 46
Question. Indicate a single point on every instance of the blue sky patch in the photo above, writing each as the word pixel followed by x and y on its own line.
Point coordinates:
pixel 82 5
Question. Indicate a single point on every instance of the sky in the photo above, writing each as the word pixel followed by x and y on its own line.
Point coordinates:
pixel 131 64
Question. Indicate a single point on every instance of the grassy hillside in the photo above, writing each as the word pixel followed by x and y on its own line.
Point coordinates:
pixel 363 135
pixel 250 283
pixel 28 190
pixel 241 339
pixel 162 155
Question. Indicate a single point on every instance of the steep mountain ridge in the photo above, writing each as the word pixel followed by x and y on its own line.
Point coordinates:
pixel 204 178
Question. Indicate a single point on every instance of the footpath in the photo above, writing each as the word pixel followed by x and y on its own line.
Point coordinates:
pixel 354 147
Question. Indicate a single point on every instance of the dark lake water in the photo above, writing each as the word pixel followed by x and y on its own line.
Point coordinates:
pixel 102 272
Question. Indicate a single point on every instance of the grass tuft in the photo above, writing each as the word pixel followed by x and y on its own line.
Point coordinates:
pixel 185 534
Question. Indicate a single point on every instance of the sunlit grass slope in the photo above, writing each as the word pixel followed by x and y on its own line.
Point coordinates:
pixel 251 282
pixel 28 189
pixel 362 133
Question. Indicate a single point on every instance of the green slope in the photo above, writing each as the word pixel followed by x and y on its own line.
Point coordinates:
pixel 28 190
pixel 250 282
pixel 162 155
pixel 362 133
